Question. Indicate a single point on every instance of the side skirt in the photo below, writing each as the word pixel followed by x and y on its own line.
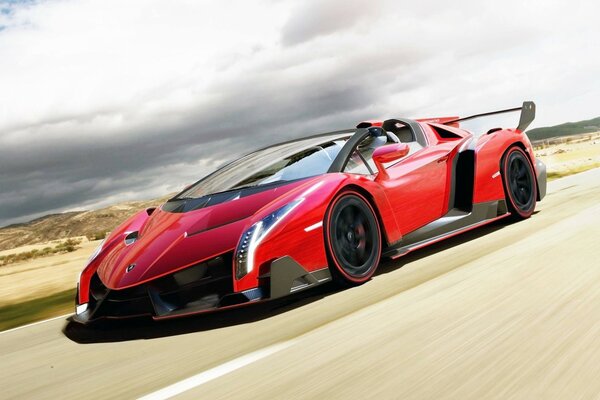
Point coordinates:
pixel 454 222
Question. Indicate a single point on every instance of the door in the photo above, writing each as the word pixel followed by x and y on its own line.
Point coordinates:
pixel 418 185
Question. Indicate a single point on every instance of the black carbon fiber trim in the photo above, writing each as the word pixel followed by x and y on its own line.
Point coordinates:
pixel 453 222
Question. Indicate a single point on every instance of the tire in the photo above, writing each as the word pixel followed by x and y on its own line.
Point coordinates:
pixel 352 238
pixel 520 187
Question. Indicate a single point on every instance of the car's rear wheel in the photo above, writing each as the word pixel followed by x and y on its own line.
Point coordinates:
pixel 353 239
pixel 519 183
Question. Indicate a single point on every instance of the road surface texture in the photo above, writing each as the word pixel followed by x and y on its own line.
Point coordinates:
pixel 506 311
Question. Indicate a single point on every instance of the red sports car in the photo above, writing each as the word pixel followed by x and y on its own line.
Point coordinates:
pixel 295 215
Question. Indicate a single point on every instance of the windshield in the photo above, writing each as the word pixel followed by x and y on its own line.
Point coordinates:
pixel 284 162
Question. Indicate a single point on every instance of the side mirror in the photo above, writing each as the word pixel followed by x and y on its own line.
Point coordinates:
pixel 388 153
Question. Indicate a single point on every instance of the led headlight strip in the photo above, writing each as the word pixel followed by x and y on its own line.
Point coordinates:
pixel 244 255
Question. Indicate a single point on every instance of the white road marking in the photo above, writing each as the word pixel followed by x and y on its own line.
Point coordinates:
pixel 216 372
pixel 313 226
pixel 36 323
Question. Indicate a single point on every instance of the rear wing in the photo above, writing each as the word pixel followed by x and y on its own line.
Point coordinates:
pixel 527 115
pixel 441 120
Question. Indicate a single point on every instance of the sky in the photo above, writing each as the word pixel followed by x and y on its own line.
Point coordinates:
pixel 105 101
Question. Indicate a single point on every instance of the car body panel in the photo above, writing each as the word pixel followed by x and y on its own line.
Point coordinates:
pixel 414 201
pixel 172 241
pixel 420 178
pixel 489 151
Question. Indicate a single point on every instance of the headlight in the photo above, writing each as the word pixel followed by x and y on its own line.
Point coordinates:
pixel 244 254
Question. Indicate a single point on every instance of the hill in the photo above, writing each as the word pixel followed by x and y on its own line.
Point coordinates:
pixel 569 128
pixel 71 224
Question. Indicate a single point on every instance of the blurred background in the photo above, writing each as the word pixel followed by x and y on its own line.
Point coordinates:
pixel 107 107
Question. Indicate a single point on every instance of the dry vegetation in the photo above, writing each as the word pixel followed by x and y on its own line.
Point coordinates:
pixel 43 276
pixel 91 224
pixel 570 154
pixel 67 246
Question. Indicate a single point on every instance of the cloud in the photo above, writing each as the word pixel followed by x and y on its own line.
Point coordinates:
pixel 313 18
pixel 106 101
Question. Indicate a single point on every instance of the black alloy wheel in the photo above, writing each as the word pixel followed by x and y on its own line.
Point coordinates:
pixel 354 239
pixel 519 183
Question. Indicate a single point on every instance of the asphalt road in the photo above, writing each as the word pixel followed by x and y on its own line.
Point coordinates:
pixel 506 311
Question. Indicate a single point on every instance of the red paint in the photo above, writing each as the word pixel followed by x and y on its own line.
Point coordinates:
pixel 167 242
pixel 417 186
pixel 489 151
pixel 415 191
pixel 387 154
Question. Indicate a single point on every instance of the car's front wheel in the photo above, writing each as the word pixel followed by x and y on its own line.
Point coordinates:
pixel 353 239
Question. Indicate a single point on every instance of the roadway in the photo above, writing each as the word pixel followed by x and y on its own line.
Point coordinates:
pixel 505 311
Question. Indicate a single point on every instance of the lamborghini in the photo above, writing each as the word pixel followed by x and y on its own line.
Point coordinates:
pixel 321 208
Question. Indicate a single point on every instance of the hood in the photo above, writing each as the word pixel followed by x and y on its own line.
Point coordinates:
pixel 169 241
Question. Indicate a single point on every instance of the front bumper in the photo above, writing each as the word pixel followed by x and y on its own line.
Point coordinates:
pixel 204 287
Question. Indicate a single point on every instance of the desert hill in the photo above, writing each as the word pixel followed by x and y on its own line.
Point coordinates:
pixel 566 129
pixel 93 224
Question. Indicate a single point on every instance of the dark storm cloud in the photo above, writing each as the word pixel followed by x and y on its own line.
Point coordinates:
pixel 93 116
pixel 250 113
